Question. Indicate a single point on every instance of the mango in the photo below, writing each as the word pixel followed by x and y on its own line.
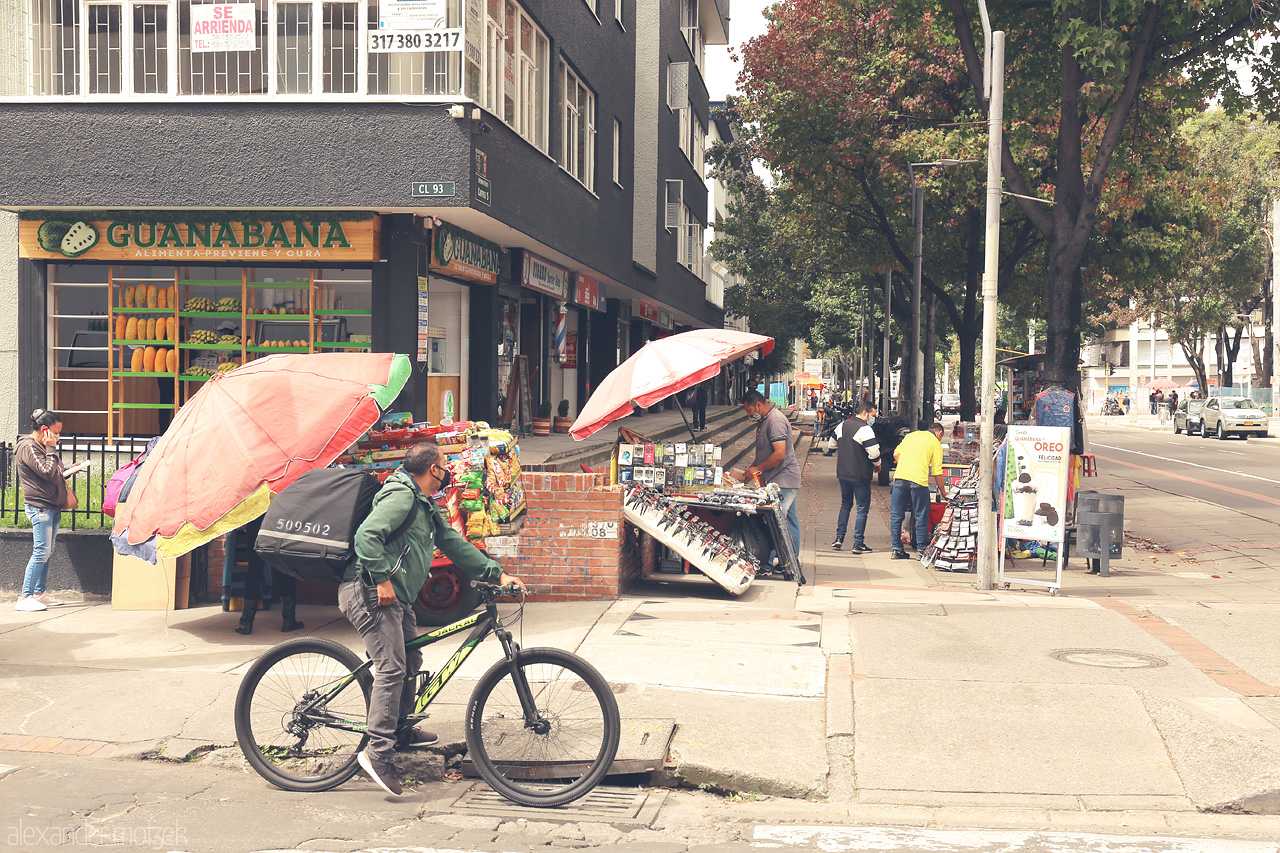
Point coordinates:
pixel 149 360
pixel 136 365
pixel 131 329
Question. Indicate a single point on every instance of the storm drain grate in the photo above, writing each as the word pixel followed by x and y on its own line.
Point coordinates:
pixel 603 805
pixel 1108 658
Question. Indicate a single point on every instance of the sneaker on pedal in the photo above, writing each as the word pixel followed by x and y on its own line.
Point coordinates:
pixel 382 773
pixel 416 739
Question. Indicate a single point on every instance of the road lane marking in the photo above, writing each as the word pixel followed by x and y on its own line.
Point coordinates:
pixel 1181 462
pixel 1194 652
pixel 1204 483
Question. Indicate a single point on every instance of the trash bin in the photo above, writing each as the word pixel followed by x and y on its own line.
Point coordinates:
pixel 1099 529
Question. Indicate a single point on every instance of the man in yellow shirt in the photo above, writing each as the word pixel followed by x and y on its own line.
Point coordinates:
pixel 918 457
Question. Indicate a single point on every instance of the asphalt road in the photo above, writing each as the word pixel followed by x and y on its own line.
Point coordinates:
pixel 1238 474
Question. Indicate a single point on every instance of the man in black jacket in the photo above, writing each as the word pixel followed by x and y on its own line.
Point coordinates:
pixel 857 454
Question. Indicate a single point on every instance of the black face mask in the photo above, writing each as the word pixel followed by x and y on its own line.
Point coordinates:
pixel 447 478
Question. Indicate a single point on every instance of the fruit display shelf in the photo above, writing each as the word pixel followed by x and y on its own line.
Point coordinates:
pixel 143 343
pixel 119 310
pixel 185 345
pixel 233 314
pixel 126 374
pixel 276 349
pixel 186 377
pixel 341 345
pixel 280 318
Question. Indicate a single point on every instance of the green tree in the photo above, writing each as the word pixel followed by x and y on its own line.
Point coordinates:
pixel 1212 241
pixel 1077 75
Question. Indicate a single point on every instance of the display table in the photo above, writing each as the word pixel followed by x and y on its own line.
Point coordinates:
pixel 727 534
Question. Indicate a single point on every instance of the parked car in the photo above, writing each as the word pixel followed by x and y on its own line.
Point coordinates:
pixel 1222 416
pixel 950 404
pixel 1187 417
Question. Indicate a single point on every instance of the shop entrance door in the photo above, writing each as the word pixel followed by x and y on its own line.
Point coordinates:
pixel 533 345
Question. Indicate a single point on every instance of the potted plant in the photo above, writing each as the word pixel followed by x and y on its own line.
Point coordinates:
pixel 562 421
pixel 542 423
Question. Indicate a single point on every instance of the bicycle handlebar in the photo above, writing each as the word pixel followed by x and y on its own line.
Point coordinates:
pixel 495 590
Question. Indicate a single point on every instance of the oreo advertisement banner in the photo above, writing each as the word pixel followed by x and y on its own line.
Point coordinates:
pixel 1036 471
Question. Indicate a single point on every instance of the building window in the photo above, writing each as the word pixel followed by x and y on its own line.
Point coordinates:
pixel 689 237
pixel 513 84
pixel 691 31
pixel 578 141
pixel 487 50
pixel 692 137
pixel 617 152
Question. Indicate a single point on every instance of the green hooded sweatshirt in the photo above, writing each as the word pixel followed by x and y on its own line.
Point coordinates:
pixel 406 561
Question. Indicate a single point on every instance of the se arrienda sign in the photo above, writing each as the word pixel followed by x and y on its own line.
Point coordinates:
pixel 200 239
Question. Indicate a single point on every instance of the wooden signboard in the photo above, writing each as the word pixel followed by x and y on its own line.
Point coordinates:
pixel 204 236
pixel 519 410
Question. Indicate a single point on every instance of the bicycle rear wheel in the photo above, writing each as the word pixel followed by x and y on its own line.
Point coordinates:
pixel 291 738
pixel 569 747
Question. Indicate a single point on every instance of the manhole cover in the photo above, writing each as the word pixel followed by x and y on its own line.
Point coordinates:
pixel 605 805
pixel 1108 658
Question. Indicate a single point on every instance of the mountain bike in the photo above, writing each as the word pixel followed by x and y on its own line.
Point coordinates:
pixel 541 725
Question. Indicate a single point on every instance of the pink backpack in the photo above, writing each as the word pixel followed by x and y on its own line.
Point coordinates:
pixel 116 490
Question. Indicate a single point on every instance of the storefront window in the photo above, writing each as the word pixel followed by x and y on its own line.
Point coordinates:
pixel 238 313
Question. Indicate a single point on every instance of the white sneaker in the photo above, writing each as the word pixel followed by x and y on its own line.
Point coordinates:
pixel 48 600
pixel 29 604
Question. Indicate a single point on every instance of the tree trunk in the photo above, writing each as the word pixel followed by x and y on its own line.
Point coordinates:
pixel 1062 344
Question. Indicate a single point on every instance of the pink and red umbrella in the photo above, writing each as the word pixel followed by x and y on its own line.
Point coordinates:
pixel 662 368
pixel 245 436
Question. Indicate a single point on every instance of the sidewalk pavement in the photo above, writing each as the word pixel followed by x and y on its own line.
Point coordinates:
pixel 881 690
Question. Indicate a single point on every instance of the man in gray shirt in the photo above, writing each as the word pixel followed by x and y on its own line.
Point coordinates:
pixel 775 460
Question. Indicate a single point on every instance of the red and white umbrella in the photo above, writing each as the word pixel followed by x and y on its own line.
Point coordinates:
pixel 662 368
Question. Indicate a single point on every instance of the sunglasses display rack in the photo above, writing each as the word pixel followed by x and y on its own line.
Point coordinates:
pixel 954 547
pixel 670 522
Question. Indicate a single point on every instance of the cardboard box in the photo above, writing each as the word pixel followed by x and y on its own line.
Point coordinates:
pixel 138 585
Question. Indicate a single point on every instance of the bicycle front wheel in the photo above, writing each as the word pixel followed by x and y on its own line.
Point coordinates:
pixel 565 750
pixel 299 725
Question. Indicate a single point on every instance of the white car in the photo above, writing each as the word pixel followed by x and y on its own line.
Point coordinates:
pixel 1222 416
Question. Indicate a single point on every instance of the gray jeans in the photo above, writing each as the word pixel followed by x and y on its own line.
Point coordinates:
pixel 385 630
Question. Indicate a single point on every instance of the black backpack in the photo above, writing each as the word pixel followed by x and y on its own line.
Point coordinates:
pixel 309 531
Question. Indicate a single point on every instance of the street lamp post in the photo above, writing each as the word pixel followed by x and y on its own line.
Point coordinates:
pixel 917 219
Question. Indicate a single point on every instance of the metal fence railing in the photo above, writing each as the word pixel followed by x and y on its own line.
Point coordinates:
pixel 104 459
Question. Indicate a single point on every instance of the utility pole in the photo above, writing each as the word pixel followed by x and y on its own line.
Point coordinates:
pixel 988 535
pixel 1275 306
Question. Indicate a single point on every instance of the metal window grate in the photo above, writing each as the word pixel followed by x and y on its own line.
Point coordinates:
pixel 293 48
pixel 232 72
pixel 103 48
pixel 340 47
pixel 55 25
pixel 150 48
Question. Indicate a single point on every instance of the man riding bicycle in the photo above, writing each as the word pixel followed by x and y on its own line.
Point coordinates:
pixel 379 588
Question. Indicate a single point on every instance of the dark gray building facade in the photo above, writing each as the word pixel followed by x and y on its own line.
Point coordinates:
pixel 517 186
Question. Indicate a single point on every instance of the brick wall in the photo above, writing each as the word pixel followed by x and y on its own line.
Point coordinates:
pixel 574 543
